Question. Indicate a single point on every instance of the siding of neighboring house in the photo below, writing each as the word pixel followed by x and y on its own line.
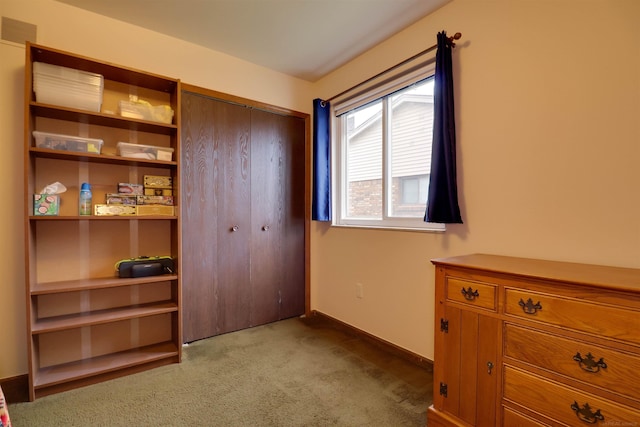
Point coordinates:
pixel 365 151
pixel 413 117
pixel 415 123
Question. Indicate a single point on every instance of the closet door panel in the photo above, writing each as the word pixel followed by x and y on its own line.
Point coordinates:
pixel 277 256
pixel 231 129
pixel 268 212
pixel 216 207
pixel 199 230
pixel 293 261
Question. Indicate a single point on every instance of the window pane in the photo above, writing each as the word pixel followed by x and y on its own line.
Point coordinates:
pixel 411 121
pixel 364 162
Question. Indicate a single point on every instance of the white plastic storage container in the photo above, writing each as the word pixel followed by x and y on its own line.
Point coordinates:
pixel 56 141
pixel 148 152
pixel 67 87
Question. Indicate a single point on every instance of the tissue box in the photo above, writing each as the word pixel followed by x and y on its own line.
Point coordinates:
pixel 46 204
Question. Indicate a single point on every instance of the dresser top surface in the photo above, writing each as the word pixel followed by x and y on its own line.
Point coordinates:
pixel 587 274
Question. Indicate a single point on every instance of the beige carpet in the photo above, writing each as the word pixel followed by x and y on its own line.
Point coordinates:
pixel 296 372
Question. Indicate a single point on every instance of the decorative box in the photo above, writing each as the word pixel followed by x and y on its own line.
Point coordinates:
pixel 155 200
pixel 127 188
pixel 154 210
pixel 114 210
pixel 155 181
pixel 150 191
pixel 121 199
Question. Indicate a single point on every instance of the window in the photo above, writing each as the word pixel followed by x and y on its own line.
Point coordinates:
pixel 383 155
pixel 413 189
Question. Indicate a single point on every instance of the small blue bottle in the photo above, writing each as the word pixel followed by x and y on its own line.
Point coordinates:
pixel 85 199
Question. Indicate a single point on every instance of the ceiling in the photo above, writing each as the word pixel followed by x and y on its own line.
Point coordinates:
pixel 302 38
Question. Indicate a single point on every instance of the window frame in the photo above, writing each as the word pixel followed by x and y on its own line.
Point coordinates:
pixel 400 81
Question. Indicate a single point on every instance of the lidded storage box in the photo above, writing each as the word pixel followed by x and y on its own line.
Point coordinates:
pixel 141 151
pixel 56 141
pixel 67 87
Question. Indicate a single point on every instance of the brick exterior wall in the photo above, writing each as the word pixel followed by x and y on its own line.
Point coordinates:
pixel 365 200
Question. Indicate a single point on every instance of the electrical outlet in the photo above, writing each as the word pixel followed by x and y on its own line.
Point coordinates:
pixel 359 290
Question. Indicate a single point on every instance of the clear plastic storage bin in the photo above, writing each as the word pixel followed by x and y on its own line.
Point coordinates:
pixel 147 152
pixel 67 87
pixel 60 142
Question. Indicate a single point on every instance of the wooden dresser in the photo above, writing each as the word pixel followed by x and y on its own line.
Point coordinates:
pixel 523 342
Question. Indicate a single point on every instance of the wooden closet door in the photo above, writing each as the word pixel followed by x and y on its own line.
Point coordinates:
pixel 277 239
pixel 232 130
pixel 267 212
pixel 199 231
pixel 243 211
pixel 216 213
pixel 292 302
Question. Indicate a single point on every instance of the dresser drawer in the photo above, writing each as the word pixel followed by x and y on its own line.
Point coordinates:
pixel 564 404
pixel 595 365
pixel 511 418
pixel 471 292
pixel 605 320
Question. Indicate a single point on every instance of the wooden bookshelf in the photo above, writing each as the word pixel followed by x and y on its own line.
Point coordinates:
pixel 85 324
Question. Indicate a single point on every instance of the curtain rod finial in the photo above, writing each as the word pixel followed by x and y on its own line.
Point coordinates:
pixel 456 36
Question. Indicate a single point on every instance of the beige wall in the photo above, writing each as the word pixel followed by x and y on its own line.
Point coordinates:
pixel 548 122
pixel 548 137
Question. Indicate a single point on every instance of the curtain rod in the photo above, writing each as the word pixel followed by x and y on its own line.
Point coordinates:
pixel 456 36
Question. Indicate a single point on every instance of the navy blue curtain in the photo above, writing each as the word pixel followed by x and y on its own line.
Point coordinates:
pixel 321 199
pixel 442 202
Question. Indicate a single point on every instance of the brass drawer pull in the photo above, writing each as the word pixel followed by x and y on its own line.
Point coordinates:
pixel 585 414
pixel 589 363
pixel 529 307
pixel 469 294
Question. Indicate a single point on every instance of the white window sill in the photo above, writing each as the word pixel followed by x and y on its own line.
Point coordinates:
pixel 437 228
